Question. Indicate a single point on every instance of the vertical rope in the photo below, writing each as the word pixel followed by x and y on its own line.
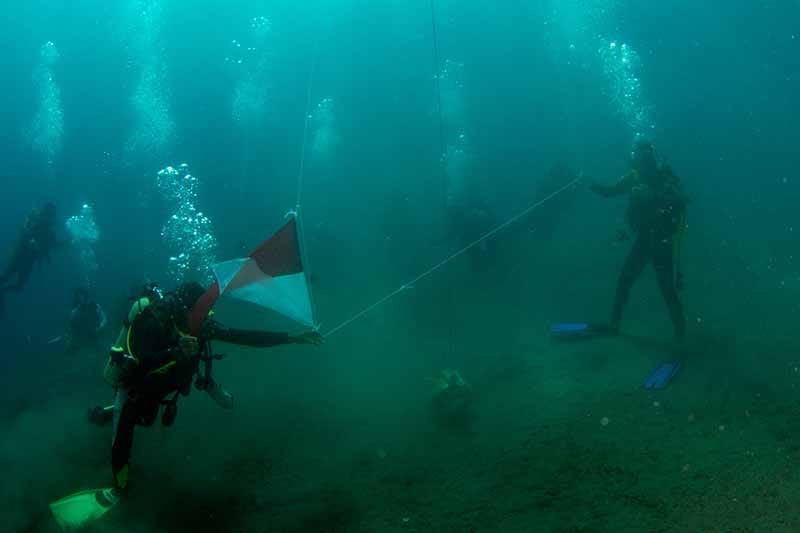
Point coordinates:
pixel 437 70
pixel 302 170
pixel 301 181
pixel 436 75
pixel 245 163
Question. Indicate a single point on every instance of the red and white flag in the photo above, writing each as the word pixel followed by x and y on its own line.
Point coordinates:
pixel 271 277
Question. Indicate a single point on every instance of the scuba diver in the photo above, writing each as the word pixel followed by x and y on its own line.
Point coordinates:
pixel 155 361
pixel 36 240
pixel 86 321
pixel 657 216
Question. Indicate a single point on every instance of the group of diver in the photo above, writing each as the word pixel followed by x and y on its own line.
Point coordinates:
pixel 159 357
pixel 35 243
pixel 154 361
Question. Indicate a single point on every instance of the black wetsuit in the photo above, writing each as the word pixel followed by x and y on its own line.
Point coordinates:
pixel 656 215
pixel 85 322
pixel 163 370
pixel 33 245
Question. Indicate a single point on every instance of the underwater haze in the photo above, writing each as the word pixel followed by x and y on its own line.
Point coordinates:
pixel 441 155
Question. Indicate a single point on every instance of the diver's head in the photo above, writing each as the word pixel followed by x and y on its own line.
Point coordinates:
pixel 182 301
pixel 80 297
pixel 644 159
pixel 188 293
pixel 151 291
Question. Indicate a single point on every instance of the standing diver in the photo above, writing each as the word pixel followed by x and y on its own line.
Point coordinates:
pixel 154 362
pixel 657 215
pixel 36 240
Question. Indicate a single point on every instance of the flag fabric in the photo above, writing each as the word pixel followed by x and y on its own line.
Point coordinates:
pixel 272 277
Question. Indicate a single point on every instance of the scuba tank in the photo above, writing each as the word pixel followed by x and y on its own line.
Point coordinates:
pixel 121 360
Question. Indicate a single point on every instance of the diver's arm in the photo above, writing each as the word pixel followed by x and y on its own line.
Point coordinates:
pixel 621 187
pixel 255 339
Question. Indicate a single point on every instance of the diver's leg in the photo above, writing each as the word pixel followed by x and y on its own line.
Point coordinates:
pixel 8 272
pixel 23 274
pixel 663 261
pixel 634 265
pixel 5 277
pixel 122 444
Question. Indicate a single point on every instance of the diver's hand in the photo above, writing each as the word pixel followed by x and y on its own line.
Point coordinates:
pixel 190 346
pixel 309 337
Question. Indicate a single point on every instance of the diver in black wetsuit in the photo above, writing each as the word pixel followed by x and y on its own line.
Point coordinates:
pixel 154 362
pixel 34 244
pixel 656 214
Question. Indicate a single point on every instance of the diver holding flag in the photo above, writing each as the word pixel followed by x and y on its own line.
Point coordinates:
pixel 165 345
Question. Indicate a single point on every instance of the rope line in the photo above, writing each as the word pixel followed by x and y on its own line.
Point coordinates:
pixel 448 259
pixel 301 179
pixel 436 76
pixel 302 170
pixel 442 160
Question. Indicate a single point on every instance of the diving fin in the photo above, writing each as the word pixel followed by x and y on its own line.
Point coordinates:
pixel 78 510
pixel 662 375
pixel 581 330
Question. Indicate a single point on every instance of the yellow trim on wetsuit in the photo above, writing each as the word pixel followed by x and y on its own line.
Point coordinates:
pixel 136 309
pixel 126 333
pixel 163 368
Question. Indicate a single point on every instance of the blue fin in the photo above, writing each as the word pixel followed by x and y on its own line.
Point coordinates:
pixel 662 375
pixel 569 328
pixel 579 330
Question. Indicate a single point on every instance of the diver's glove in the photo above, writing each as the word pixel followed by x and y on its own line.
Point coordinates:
pixel 309 337
pixel 218 393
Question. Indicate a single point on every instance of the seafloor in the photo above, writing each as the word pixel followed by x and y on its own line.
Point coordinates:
pixel 342 438
pixel 564 441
